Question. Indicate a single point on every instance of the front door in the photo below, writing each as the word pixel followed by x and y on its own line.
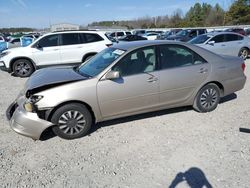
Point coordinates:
pixel 46 51
pixel 137 88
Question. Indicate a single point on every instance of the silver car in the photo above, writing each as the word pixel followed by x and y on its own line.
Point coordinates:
pixel 224 43
pixel 123 80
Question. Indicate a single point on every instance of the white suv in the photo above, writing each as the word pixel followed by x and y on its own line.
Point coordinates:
pixel 59 48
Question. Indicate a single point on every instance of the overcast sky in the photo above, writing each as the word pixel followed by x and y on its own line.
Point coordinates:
pixel 42 13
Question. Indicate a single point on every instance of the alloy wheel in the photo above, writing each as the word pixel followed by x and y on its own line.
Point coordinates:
pixel 244 53
pixel 22 68
pixel 72 122
pixel 209 98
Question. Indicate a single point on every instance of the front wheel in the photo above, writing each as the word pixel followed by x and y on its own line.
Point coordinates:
pixel 23 68
pixel 207 98
pixel 71 121
pixel 244 53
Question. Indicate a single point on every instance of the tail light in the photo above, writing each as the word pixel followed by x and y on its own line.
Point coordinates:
pixel 243 66
pixel 108 45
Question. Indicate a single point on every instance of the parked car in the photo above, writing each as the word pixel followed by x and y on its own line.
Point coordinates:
pixel 139 32
pixel 14 42
pixel 33 36
pixel 126 79
pixel 247 32
pixel 187 34
pixel 237 30
pixel 59 48
pixel 151 36
pixel 119 34
pixel 224 43
pixel 167 34
pixel 130 38
pixel 2 39
pixel 3 46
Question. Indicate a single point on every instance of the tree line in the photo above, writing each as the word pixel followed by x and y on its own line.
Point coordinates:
pixel 199 15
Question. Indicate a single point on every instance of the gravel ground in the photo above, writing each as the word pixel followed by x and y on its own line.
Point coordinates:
pixel 151 150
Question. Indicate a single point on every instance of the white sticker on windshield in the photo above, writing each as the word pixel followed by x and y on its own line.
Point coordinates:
pixel 118 52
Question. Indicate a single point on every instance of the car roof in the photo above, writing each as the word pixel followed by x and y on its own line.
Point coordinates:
pixel 137 44
pixel 221 33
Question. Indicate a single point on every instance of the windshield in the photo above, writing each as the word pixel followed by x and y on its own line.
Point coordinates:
pixel 99 62
pixel 200 39
pixel 182 33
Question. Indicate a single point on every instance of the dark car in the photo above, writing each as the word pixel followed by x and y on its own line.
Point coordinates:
pixel 132 38
pixel 237 30
pixel 187 34
pixel 167 34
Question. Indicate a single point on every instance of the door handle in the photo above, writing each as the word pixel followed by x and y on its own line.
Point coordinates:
pixel 203 70
pixel 223 45
pixel 152 79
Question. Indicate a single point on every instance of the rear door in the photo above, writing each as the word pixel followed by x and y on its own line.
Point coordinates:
pixel 46 51
pixel 71 48
pixel 182 71
pixel 233 44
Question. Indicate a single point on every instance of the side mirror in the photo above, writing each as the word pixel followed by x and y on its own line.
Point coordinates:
pixel 38 46
pixel 212 42
pixel 112 75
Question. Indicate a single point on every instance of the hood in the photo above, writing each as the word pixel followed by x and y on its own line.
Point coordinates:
pixel 51 77
pixel 17 49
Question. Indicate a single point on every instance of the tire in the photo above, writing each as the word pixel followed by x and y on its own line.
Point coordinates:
pixel 207 99
pixel 22 68
pixel 71 121
pixel 243 53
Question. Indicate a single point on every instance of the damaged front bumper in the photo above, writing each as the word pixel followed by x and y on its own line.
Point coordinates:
pixel 26 123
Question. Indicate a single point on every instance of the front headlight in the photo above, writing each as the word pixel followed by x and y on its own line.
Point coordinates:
pixel 29 104
pixel 4 54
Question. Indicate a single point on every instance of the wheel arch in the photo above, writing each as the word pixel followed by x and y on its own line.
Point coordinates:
pixel 220 86
pixel 87 55
pixel 21 57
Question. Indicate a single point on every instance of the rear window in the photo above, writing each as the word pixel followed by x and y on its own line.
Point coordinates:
pixel 232 37
pixel 70 39
pixel 91 37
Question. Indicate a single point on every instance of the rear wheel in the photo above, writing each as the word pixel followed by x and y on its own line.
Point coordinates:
pixel 71 121
pixel 207 98
pixel 22 68
pixel 244 52
pixel 88 57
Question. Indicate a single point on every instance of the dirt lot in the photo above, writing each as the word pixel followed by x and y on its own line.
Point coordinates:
pixel 151 150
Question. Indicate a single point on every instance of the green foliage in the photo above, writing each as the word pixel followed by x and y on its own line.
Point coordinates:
pixel 15 30
pixel 239 13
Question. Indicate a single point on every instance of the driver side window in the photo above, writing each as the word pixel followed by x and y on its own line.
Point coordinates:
pixel 49 41
pixel 218 38
pixel 136 62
